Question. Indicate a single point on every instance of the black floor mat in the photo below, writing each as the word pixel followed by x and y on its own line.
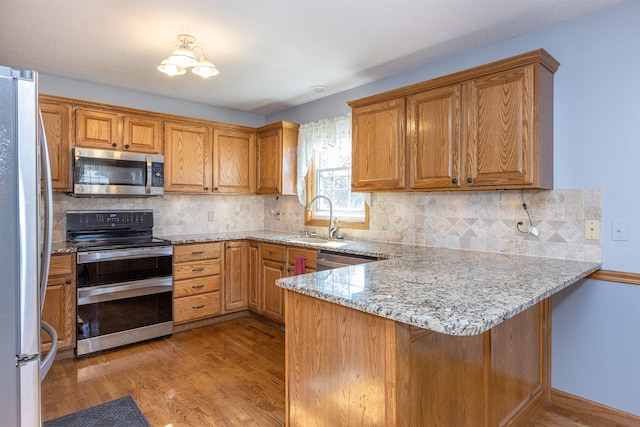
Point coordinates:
pixel 121 412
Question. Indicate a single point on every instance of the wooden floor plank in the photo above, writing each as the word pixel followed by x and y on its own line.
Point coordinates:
pixel 227 374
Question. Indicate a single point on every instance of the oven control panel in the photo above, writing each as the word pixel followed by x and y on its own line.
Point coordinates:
pixel 100 220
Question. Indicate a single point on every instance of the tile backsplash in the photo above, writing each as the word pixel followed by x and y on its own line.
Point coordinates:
pixel 483 221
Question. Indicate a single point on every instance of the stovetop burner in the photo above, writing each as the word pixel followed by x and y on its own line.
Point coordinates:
pixel 99 230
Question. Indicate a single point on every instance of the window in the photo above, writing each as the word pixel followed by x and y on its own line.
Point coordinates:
pixel 330 175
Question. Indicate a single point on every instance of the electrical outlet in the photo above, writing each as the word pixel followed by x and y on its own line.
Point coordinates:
pixel 618 231
pixel 592 229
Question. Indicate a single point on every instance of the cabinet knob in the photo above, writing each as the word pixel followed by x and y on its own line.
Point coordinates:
pixel 289 270
pixel 454 181
pixel 126 146
pixel 282 267
pixel 352 185
pixel 469 180
pixel 114 145
pixel 215 188
pixel 206 188
pixel 67 282
pixel 277 190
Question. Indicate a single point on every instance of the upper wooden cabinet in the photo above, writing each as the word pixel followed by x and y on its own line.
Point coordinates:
pixel 187 158
pixel 58 127
pixel 112 130
pixel 277 158
pixel 234 159
pixel 378 146
pixel 490 127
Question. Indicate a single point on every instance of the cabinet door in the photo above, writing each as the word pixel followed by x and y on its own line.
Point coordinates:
pixel 187 158
pixel 60 301
pixel 378 146
pixel 233 160
pixel 254 277
pixel 236 276
pixel 58 130
pixel 500 129
pixel 98 129
pixel 269 162
pixel 272 295
pixel 142 135
pixel 434 138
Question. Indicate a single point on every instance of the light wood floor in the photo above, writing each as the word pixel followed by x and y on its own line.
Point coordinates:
pixel 229 374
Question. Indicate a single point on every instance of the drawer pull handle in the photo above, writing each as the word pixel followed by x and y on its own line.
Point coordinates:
pixel 198 286
pixel 198 269
pixel 273 252
pixel 197 253
pixel 195 307
pixel 67 282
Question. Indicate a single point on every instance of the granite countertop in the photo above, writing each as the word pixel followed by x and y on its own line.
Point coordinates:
pixel 62 248
pixel 455 292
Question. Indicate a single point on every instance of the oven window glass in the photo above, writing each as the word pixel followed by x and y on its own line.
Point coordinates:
pixel 106 272
pixel 123 314
pixel 110 171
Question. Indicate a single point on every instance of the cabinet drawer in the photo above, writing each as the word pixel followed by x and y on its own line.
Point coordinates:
pixel 183 288
pixel 273 252
pixel 308 254
pixel 196 307
pixel 62 265
pixel 190 270
pixel 196 251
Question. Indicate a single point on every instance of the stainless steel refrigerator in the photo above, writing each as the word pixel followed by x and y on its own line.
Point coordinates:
pixel 25 248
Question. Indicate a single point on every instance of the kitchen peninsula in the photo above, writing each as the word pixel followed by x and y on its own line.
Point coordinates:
pixel 434 337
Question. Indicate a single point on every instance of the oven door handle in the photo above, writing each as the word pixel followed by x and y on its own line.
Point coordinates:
pixel 119 254
pixel 103 293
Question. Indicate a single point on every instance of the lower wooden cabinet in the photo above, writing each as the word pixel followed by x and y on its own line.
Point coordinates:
pixel 268 263
pixel 60 301
pixel 236 275
pixel 197 280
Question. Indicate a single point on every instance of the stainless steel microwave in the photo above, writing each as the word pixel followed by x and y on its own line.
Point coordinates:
pixel 116 173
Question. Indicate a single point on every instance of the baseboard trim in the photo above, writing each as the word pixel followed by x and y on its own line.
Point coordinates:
pixel 583 405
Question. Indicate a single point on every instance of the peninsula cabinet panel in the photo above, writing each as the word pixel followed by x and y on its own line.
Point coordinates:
pixel 434 138
pixel 142 135
pixel 378 146
pixel 410 376
pixel 58 128
pixel 234 166
pixel 98 129
pixel 277 160
pixel 187 158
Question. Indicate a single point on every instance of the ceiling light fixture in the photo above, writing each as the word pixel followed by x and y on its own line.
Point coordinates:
pixel 183 56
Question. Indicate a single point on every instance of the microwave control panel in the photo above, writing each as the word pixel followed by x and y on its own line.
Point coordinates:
pixel 157 174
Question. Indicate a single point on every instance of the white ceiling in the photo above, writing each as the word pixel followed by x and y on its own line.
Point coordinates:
pixel 269 52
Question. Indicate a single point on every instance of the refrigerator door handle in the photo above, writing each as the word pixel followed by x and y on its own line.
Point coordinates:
pixel 48 212
pixel 47 361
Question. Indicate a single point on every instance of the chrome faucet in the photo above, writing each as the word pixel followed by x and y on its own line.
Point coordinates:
pixel 332 225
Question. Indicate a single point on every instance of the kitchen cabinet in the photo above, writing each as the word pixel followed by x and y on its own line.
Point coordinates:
pixel 433 119
pixel 60 301
pixel 309 259
pixel 110 129
pixel 378 158
pixel 236 275
pixel 490 127
pixel 58 127
pixel 187 158
pixel 234 159
pixel 272 268
pixel 277 144
pixel 254 277
pixel 197 281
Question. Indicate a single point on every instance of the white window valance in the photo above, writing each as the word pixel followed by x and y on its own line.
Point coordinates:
pixel 319 136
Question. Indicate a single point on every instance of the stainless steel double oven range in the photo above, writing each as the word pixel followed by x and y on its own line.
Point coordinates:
pixel 124 281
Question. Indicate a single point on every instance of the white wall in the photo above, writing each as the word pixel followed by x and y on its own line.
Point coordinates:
pixel 596 325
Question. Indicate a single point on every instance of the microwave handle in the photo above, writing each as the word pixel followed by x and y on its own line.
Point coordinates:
pixel 149 176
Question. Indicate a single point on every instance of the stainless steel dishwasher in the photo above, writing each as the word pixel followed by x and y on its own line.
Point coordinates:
pixel 326 260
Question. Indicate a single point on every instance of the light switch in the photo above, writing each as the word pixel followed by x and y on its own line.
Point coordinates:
pixel 592 229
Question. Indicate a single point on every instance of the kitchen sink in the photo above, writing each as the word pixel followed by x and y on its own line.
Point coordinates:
pixel 318 241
